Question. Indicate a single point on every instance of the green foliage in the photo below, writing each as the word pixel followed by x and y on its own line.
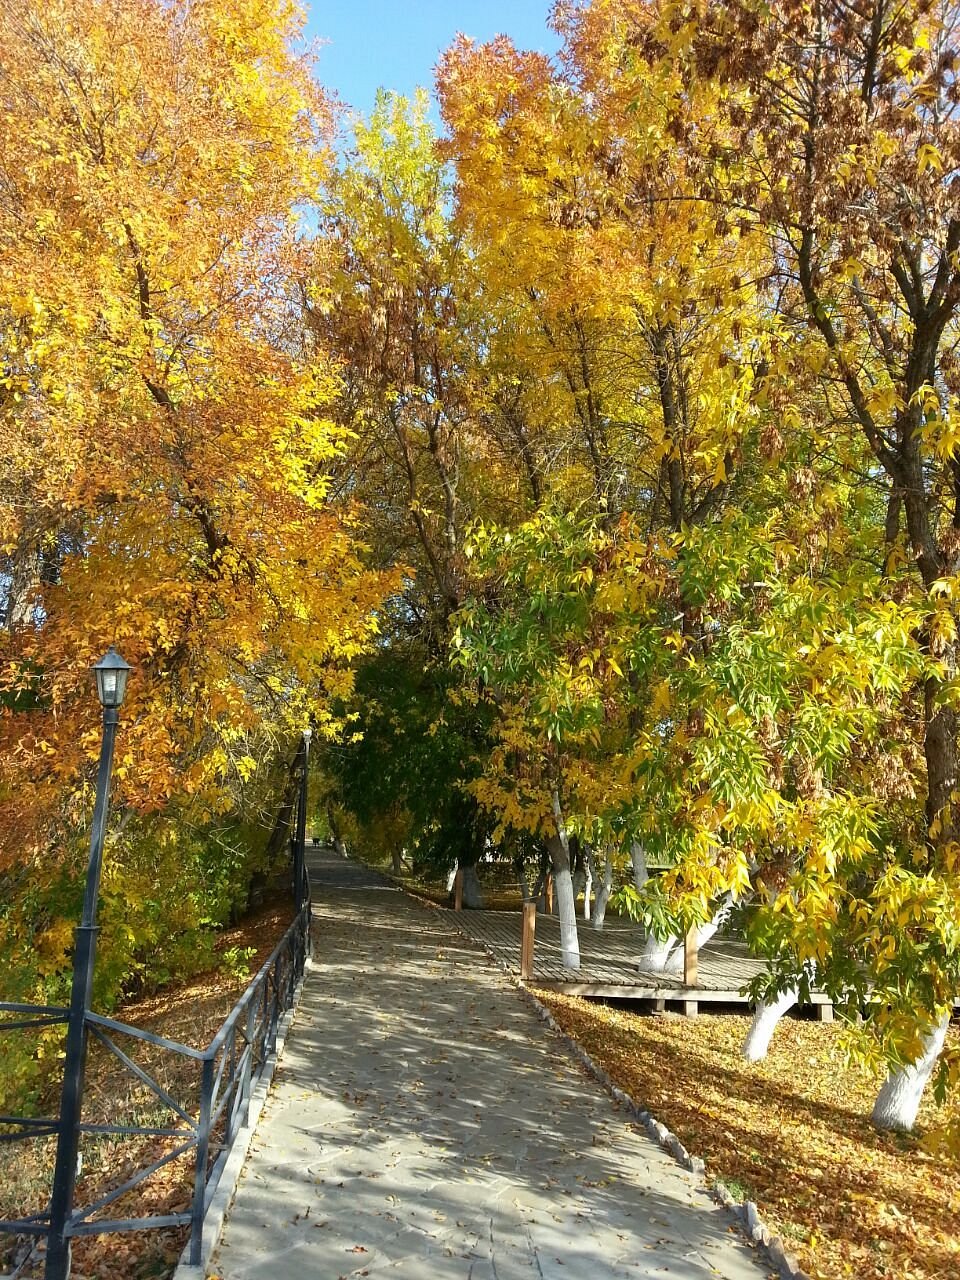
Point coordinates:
pixel 403 770
pixel 236 962
pixel 166 890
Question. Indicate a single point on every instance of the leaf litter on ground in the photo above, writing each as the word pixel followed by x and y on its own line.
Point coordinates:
pixel 791 1133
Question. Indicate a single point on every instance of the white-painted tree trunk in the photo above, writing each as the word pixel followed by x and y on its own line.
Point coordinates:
pixel 656 953
pixel 765 1019
pixel 587 884
pixel 569 939
pixel 558 847
pixel 638 857
pixel 472 893
pixel 674 962
pixel 452 875
pixel 899 1098
pixel 338 841
pixel 603 893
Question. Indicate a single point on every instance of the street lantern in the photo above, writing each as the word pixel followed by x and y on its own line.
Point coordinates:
pixel 111 672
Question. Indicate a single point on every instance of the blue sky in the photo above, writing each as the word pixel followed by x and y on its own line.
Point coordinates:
pixel 396 43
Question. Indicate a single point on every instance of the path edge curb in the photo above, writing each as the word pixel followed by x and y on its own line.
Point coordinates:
pixel 222 1199
pixel 746 1212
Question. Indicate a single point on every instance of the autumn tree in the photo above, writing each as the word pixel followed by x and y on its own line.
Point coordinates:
pixel 165 448
pixel 627 307
pixel 394 293
pixel 833 135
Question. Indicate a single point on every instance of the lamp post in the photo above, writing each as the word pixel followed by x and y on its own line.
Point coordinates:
pixel 111 673
pixel 300 840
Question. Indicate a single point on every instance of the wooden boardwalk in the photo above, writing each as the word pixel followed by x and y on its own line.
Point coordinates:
pixel 610 963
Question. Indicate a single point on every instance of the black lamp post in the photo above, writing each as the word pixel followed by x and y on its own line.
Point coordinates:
pixel 111 672
pixel 300 840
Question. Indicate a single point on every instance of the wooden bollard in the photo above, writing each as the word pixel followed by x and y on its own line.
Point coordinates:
pixel 690 957
pixel 527 931
pixel 458 891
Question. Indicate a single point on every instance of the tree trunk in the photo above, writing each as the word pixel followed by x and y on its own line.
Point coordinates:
pixel 940 752
pixel 898 1101
pixel 603 893
pixel 566 908
pixel 656 953
pixel 539 894
pixel 284 820
pixel 472 893
pixel 579 883
pixel 335 832
pixel 674 962
pixel 451 876
pixel 638 858
pixel 23 586
pixel 587 882
pixel 765 1019
pixel 558 847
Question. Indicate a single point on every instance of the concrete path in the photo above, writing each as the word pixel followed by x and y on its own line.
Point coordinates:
pixel 425 1125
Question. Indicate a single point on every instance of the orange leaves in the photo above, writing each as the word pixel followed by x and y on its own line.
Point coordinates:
pixel 165 483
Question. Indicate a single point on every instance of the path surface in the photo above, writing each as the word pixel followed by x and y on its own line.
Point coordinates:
pixel 425 1125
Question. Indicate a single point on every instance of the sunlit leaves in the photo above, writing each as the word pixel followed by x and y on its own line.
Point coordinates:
pixel 166 446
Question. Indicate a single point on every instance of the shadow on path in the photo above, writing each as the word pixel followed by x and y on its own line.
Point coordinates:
pixel 425 1124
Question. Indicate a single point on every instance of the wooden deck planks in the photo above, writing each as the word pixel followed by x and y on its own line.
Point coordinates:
pixel 609 961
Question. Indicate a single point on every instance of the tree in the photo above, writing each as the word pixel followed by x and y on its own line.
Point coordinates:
pixel 165 449
pixel 402 770
pixel 390 293
pixel 839 141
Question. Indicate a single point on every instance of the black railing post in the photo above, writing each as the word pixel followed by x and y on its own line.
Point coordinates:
pixel 203 1152
pixel 71 1099
pixel 250 1054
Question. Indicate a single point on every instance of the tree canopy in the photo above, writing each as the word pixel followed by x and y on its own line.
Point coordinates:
pixel 586 470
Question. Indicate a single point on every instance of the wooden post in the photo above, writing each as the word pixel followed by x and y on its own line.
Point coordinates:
pixel 549 892
pixel 458 890
pixel 690 958
pixel 526 940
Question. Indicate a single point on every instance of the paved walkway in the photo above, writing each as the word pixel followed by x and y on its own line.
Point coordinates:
pixel 425 1125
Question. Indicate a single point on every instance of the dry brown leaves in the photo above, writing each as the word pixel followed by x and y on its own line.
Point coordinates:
pixel 790 1133
pixel 190 1012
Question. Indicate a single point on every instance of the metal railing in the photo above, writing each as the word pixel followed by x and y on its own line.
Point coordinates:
pixel 226 1072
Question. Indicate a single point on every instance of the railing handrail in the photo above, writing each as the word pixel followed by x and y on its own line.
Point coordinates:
pixel 176 1046
pixel 217 1043
pixel 223 1093
pixel 53 1009
pixel 164 1042
pixel 149 1037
